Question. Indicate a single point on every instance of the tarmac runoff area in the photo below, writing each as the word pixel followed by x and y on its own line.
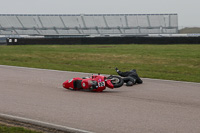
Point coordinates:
pixel 157 106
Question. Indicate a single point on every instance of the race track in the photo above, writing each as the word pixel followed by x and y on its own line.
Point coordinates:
pixel 157 106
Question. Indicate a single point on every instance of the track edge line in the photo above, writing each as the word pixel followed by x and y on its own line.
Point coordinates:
pixel 43 124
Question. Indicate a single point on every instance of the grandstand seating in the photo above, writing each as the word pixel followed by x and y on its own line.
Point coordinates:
pixel 88 24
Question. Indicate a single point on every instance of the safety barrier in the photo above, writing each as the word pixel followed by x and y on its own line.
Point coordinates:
pixel 105 40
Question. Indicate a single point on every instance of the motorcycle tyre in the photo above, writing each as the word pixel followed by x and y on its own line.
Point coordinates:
pixel 119 83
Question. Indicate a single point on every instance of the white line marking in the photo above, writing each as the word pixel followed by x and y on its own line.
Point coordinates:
pixel 173 81
pixel 91 73
pixel 43 124
pixel 29 68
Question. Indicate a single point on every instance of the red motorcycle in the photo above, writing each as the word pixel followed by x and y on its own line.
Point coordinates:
pixel 96 83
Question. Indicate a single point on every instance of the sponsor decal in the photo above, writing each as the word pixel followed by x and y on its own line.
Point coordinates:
pixel 83 84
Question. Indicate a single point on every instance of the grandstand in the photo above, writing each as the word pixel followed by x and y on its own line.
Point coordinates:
pixel 68 25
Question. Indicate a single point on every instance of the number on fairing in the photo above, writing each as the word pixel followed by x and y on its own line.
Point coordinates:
pixel 101 84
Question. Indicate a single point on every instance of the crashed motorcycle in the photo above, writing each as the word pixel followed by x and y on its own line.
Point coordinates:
pixel 96 83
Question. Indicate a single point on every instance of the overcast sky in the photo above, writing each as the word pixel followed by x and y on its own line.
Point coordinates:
pixel 188 10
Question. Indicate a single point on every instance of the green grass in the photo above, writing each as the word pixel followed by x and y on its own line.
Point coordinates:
pixel 189 30
pixel 9 129
pixel 173 62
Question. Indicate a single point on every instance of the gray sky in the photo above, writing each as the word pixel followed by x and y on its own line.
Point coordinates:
pixel 188 10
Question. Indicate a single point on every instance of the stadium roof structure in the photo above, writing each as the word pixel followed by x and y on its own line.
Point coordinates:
pixel 88 24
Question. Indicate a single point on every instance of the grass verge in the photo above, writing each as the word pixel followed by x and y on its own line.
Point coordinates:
pixel 172 62
pixel 11 129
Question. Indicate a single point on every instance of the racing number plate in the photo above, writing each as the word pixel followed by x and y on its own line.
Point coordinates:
pixel 101 84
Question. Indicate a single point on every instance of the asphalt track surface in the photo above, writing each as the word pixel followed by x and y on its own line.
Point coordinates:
pixel 156 106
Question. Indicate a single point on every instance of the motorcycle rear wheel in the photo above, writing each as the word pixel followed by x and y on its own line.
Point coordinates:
pixel 116 81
